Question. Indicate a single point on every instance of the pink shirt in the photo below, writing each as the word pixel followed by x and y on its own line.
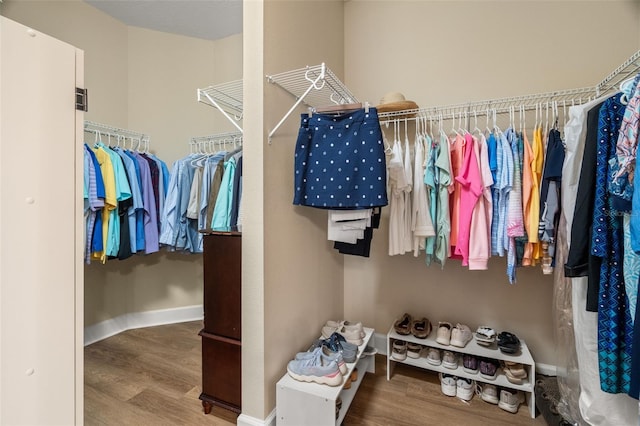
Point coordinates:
pixel 470 182
pixel 480 233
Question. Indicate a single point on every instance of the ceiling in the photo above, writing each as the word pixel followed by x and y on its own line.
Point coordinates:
pixel 206 19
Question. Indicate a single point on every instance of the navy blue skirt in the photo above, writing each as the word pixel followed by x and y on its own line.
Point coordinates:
pixel 340 161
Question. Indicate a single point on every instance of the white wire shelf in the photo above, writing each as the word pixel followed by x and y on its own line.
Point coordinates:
pixel 227 98
pixel 315 86
pixel 499 105
pixel 138 140
pixel 209 143
pixel 628 69
pixel 561 98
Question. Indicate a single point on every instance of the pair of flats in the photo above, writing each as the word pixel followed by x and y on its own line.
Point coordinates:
pixel 406 325
pixel 352 332
pixel 457 386
pixel 316 367
pixel 457 336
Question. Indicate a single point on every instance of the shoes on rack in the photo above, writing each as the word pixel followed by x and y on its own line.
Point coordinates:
pixel 421 328
pixel 369 351
pixel 488 368
pixel 488 393
pixel 508 343
pixel 413 350
pixel 338 406
pixel 351 335
pixel 450 360
pixel 470 363
pixel 485 336
pixel 510 400
pixel 354 375
pixel 514 371
pixel 460 335
pixel 315 369
pixel 464 388
pixel 443 334
pixel 448 384
pixel 337 343
pixel 347 325
pixel 402 326
pixel 399 351
pixel 327 354
pixel 433 356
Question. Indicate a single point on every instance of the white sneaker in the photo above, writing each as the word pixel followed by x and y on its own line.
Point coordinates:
pixel 443 334
pixel 399 351
pixel 461 335
pixel 488 393
pixel 464 389
pixel 448 384
pixel 510 400
pixel 433 356
pixel 450 360
pixel 413 350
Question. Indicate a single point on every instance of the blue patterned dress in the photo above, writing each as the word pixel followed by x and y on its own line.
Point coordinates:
pixel 614 321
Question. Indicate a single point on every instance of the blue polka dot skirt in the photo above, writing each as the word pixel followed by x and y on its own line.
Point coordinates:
pixel 340 161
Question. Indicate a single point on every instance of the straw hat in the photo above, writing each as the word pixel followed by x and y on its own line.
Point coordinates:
pixel 395 101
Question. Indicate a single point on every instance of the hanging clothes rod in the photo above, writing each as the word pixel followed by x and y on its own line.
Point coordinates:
pixel 314 85
pixel 226 98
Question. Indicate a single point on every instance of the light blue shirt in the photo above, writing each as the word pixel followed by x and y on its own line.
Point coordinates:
pixel 222 211
pixel 136 193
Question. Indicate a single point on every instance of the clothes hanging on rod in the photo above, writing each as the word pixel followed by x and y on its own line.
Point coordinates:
pixel 205 192
pixel 124 189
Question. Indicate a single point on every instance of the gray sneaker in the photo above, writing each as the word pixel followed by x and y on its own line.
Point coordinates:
pixel 315 369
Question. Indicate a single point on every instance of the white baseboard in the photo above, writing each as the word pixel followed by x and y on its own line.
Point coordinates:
pixel 244 420
pixel 113 326
pixel 380 342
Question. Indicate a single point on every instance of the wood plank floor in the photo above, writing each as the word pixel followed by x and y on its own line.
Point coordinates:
pixel 151 376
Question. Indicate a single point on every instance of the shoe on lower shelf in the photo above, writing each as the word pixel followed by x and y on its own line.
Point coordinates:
pixel 488 393
pixel 399 350
pixel 510 400
pixel 413 350
pixel 488 368
pixel 450 360
pixel 464 388
pixel 470 363
pixel 433 356
pixel 448 384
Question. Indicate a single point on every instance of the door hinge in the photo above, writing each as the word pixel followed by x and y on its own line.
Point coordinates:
pixel 82 99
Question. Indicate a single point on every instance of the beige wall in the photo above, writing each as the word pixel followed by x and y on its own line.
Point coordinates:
pixel 440 53
pixel 133 84
pixel 302 285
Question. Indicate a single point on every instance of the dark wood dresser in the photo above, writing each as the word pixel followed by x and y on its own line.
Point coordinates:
pixel 221 335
